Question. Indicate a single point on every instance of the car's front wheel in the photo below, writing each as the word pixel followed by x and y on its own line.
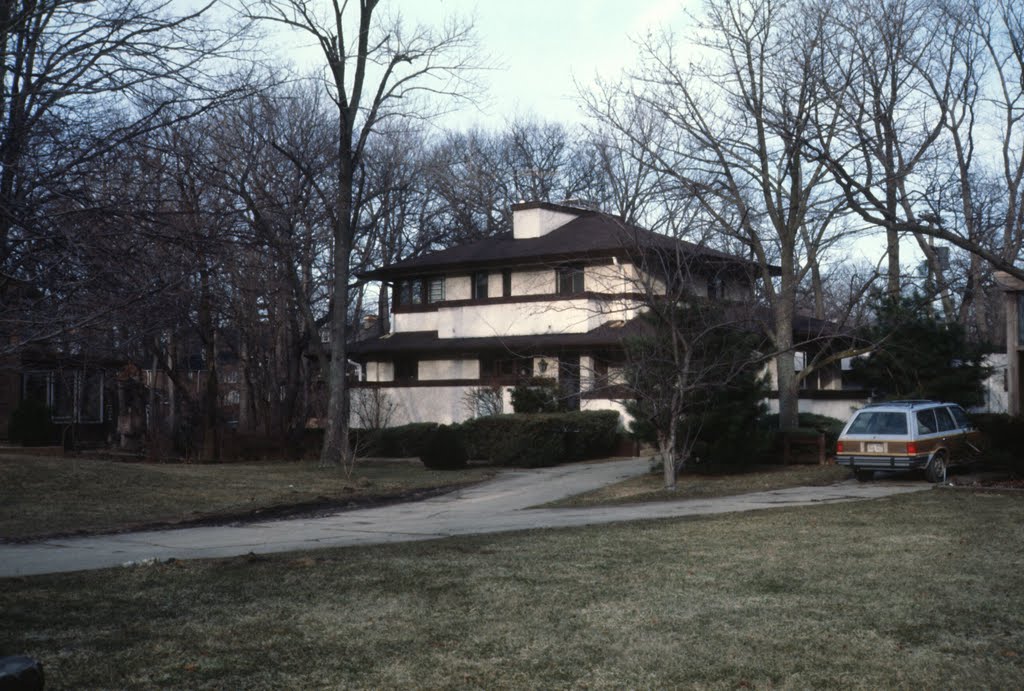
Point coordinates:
pixel 936 471
pixel 864 475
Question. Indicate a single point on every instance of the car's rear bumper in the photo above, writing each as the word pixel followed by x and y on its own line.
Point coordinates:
pixel 883 462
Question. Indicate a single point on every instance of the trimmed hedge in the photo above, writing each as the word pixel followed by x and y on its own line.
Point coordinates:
pixel 541 440
pixel 404 441
pixel 443 449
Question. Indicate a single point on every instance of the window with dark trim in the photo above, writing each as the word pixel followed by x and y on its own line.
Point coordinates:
pixel 506 283
pixel 480 285
pixel 570 279
pixel 435 289
pixel 716 288
pixel 492 367
pixel 406 369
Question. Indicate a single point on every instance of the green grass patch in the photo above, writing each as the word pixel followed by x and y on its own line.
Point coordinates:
pixel 651 487
pixel 44 495
pixel 918 591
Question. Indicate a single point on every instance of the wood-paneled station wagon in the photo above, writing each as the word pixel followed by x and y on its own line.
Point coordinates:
pixel 907 435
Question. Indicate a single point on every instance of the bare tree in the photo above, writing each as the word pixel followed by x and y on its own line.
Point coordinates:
pixel 377 69
pixel 80 81
pixel 902 77
pixel 733 139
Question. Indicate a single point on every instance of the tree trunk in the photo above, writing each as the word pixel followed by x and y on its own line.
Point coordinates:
pixel 667 448
pixel 336 449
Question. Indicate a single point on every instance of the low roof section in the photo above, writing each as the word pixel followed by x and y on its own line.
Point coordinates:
pixel 410 342
pixel 590 235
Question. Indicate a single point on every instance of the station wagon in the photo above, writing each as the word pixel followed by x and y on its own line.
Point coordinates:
pixel 907 435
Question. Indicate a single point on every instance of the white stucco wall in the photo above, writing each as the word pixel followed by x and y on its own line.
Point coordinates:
pixel 841 410
pixel 997 398
pixel 533 223
pixel 442 404
pixel 458 287
pixel 494 284
pixel 447 404
pixel 606 278
pixel 514 319
pixel 413 321
pixel 448 369
pixel 533 282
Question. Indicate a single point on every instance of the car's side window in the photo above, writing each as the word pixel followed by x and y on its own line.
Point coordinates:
pixel 962 421
pixel 926 421
pixel 944 419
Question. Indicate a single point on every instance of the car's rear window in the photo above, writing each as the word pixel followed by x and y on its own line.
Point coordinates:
pixel 878 422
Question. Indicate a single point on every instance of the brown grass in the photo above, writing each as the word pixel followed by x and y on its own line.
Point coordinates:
pixel 651 487
pixel 917 591
pixel 43 496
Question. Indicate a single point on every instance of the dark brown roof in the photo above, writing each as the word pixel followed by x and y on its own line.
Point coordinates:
pixel 591 235
pixel 610 334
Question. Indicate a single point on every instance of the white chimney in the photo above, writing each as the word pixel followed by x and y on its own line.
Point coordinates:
pixel 534 219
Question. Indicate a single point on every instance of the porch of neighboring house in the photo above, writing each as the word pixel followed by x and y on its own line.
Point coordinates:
pixel 1013 289
pixel 81 394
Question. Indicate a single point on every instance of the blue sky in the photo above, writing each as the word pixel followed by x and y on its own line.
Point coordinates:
pixel 542 45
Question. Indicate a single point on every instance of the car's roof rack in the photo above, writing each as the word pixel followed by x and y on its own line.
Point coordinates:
pixel 908 403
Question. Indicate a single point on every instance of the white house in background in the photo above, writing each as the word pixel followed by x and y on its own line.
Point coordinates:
pixel 554 298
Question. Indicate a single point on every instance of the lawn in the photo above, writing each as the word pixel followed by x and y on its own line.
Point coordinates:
pixel 651 487
pixel 45 495
pixel 919 591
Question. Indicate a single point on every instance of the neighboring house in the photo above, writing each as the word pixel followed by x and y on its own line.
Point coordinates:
pixel 1013 289
pixel 79 390
pixel 552 299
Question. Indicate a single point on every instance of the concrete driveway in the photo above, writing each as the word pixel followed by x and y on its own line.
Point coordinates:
pixel 496 506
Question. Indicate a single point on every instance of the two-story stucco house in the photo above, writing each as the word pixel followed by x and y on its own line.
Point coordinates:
pixel 553 299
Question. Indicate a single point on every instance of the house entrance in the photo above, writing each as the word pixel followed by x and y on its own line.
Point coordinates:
pixel 569 380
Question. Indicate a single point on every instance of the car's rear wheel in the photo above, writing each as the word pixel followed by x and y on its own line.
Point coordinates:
pixel 936 471
pixel 864 475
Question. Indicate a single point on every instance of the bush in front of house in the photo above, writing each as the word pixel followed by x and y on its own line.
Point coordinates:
pixel 541 440
pixel 443 449
pixel 404 441
pixel 30 425
pixel 539 395
pixel 1002 440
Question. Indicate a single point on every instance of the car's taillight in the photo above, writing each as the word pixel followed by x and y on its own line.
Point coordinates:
pixel 911 448
pixel 839 447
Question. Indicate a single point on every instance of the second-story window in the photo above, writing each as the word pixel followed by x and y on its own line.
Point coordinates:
pixel 480 285
pixel 570 279
pixel 435 289
pixel 716 288
pixel 409 292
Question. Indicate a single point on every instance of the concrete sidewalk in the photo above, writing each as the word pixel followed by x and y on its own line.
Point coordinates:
pixel 496 506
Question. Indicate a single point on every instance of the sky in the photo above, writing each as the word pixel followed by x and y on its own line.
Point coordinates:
pixel 542 46
pixel 538 48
